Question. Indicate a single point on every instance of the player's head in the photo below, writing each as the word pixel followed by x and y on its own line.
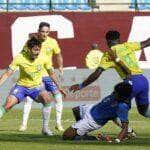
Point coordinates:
pixel 34 46
pixel 94 46
pixel 122 91
pixel 112 38
pixel 44 30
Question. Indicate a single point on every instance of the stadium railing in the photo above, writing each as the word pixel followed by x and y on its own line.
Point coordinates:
pixel 70 5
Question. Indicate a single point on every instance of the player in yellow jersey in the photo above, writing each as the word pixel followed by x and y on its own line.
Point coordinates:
pixel 50 48
pixel 30 64
pixel 122 58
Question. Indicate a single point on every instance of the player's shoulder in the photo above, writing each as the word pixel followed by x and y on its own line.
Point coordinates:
pixel 43 57
pixel 51 40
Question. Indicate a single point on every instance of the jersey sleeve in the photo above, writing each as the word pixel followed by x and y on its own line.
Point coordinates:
pixel 134 46
pixel 105 63
pixel 15 63
pixel 122 112
pixel 56 48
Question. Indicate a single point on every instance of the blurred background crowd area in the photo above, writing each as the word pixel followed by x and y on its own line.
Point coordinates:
pixel 74 5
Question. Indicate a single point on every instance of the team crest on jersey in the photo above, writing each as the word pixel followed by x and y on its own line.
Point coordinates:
pixel 15 91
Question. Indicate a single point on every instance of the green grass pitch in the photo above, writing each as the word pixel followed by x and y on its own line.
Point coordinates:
pixel 32 139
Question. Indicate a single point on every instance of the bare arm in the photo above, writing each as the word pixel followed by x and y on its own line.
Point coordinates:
pixel 94 76
pixel 54 78
pixel 88 81
pixel 5 75
pixel 145 43
pixel 123 132
pixel 59 61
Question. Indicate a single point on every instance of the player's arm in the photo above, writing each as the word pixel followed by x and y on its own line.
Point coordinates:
pixel 12 68
pixel 145 43
pixel 5 75
pixel 58 56
pixel 122 114
pixel 88 81
pixel 54 78
pixel 59 61
pixel 123 132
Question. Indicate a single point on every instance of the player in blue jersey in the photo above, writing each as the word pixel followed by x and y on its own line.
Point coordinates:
pixel 95 116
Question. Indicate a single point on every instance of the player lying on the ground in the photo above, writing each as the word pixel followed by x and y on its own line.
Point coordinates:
pixel 121 57
pixel 51 49
pixel 95 116
pixel 31 64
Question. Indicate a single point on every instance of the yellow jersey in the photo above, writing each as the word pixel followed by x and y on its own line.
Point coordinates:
pixel 49 47
pixel 126 52
pixel 31 72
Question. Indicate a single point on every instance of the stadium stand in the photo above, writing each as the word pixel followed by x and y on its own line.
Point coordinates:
pixel 141 4
pixel 45 5
pixel 74 5
pixel 3 4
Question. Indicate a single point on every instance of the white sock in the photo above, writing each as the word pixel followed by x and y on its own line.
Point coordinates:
pixel 26 110
pixel 46 115
pixel 59 107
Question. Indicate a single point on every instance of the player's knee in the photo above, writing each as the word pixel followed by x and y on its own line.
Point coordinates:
pixel 69 134
pixel 10 102
pixel 44 97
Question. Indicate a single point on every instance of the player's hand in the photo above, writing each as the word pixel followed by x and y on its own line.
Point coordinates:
pixel 74 88
pixel 63 92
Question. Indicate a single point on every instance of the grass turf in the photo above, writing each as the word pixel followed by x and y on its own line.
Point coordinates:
pixel 12 139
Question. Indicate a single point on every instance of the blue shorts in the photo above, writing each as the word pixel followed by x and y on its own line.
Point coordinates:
pixel 140 91
pixel 49 85
pixel 20 92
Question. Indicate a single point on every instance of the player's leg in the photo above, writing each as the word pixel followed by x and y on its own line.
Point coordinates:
pixel 79 129
pixel 80 111
pixel 51 87
pixel 44 98
pixel 143 100
pixel 10 102
pixel 76 113
pixel 59 108
pixel 26 112
pixel 46 111
pixel 16 95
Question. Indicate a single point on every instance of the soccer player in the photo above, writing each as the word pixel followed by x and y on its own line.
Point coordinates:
pixel 121 57
pixel 50 48
pixel 30 63
pixel 92 117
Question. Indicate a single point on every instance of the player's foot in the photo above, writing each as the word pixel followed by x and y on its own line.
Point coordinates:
pixel 131 134
pixel 59 127
pixel 23 128
pixel 47 132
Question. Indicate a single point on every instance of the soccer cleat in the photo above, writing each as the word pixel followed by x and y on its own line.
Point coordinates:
pixel 131 134
pixel 47 132
pixel 59 127
pixel 22 128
